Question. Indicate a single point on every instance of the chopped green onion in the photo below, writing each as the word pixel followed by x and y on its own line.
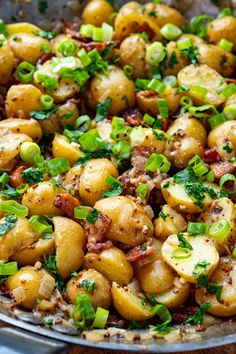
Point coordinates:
pixel 199 91
pixel 84 309
pixel 184 43
pixel 156 161
pixel 46 101
pixel 234 252
pixel 228 177
pixel 162 311
pixel 91 141
pixel 226 45
pixel 163 108
pixel 115 187
pixel 40 225
pixel 156 85
pixel 216 120
pixel 82 123
pixel 103 34
pixel 101 317
pixel 186 102
pixel 198 25
pixel 197 228
pixel 155 53
pixel 128 70
pixel 107 32
pixel 170 31
pixel 198 317
pixel 210 177
pixel 50 83
pixel 45 48
pixel 57 165
pixel 230 111
pixel 142 191
pixel 181 253
pixel 81 212
pixel 226 11
pixel 84 57
pixel 67 48
pixel 149 120
pixel 170 80
pixel 200 169
pixel 12 207
pixel 25 71
pixel 28 151
pixel 120 131
pixel 4 179
pixel 8 223
pixel 8 268
pixel 121 150
pixel 103 109
pixel 201 111
pixel 87 30
pixel 141 84
pixel 229 90
pixel 220 230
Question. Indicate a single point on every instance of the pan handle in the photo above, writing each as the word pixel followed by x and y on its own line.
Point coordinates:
pixel 18 341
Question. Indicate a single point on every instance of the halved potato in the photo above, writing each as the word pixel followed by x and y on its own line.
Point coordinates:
pixel 29 127
pixel 61 147
pixel 22 27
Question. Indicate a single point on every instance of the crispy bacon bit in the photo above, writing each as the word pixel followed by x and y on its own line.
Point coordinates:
pixel 16 178
pixel 133 117
pixel 200 328
pixel 231 81
pixel 140 154
pixel 128 187
pixel 96 232
pixel 45 57
pixel 210 156
pixel 140 252
pixel 100 46
pixel 165 124
pixel 221 168
pixel 99 247
pixel 66 203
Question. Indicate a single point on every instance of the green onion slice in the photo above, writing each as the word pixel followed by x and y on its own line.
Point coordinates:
pixel 84 310
pixel 8 268
pixel 217 120
pixel 142 191
pixel 155 53
pixel 170 31
pixel 101 317
pixel 181 253
pixel 25 71
pixel 40 225
pixel 46 101
pixel 220 230
pixel 157 161
pixel 197 228
pixel 12 207
pixel 57 165
pixel 228 177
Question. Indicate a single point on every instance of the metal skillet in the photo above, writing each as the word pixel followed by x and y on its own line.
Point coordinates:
pixel 28 334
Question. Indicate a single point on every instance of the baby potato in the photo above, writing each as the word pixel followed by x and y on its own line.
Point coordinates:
pixel 101 296
pixel 37 251
pixel 224 27
pixel 171 224
pixel 27 46
pixel 29 127
pixel 225 275
pixel 115 86
pixel 70 243
pixel 6 61
pixel 175 60
pixel 21 235
pixel 104 129
pixel 154 256
pixel 195 39
pixel 145 137
pixel 155 277
pixel 61 147
pixel 92 180
pixel 129 304
pixel 29 280
pixel 10 148
pixel 40 198
pixel 111 263
pixel 220 134
pixel 21 99
pixel 22 27
pixel 203 249
pixel 132 52
pixel 230 100
pixel 131 6
pixel 96 12
pixel 205 77
pixel 58 40
pixel 176 196
pixel 130 225
pixel 72 179
pixel 164 14
pixel 216 58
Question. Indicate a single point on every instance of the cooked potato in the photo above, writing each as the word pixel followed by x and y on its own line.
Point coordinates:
pixel 104 129
pixel 175 195
pixel 58 40
pixel 72 179
pixel 61 147
pixel 27 46
pixel 21 99
pixel 70 243
pixel 222 28
pixel 115 86
pixel 100 296
pixel 154 256
pixel 22 27
pixel 164 14
pixel 112 263
pixel 131 6
pixel 96 12
pixel 231 100
pixel 216 58
pixel 6 61
pixel 92 180
pixel 204 77
pixel 222 134
pixel 29 127
pixel 29 283
pixel 18 237
pixel 130 224
pixel 225 275
pixel 172 223
pixel 129 304
pixel 132 52
pixel 175 60
pixel 37 251
pixel 10 147
pixel 40 198
pixel 203 249
pixel 195 39
pixel 145 137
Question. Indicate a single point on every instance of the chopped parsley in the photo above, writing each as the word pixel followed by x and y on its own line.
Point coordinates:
pixel 103 153
pixel 199 315
pixel 126 101
pixel 92 216
pixel 183 242
pixel 197 192
pixel 9 192
pixel 186 175
pixel 163 215
pixel 73 273
pixel 51 266
pixel 47 35
pixel 115 187
pixel 173 60
pixel 143 247
pixel 144 36
pixel 200 268
pixel 7 224
pixel 88 285
pixel 211 288
pixel 103 110
pixel 38 301
pixel 33 175
pixel 227 148
pixel 43 115
pixel 159 136
pixel 143 302
pixel 191 53
pixel 137 325
pixel 152 13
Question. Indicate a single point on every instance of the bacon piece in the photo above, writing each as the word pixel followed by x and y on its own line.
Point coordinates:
pixel 231 81
pixel 133 117
pixel 211 155
pixel 96 232
pixel 128 187
pixel 99 246
pixel 139 252
pixel 66 203
pixel 221 168
pixel 140 154
pixel 45 57
pixel 16 178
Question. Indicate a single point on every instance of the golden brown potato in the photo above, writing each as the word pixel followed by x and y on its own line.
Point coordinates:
pixel 115 86
pixel 40 198
pixel 17 238
pixel 112 263
pixel 145 137
pixel 29 284
pixel 61 147
pixel 175 59
pixel 164 14
pixel 58 40
pixel 70 243
pixel 6 61
pixel 222 134
pixel 172 223
pixel 100 296
pixel 129 303
pixel 132 52
pixel 22 27
pixel 96 12
pixel 29 127
pixel 130 224
pixel 37 251
pixel 92 180
pixel 224 27
pixel 72 179
pixel 131 6
pixel 27 47
pixel 154 256
pixel 224 275
pixel 21 99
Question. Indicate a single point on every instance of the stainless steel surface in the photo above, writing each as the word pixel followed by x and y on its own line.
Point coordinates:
pixel 15 341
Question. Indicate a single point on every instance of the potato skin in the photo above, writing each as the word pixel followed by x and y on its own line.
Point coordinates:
pixel 29 127
pixel 21 99
pixel 130 225
pixel 61 147
pixel 112 263
pixel 102 290
pixel 224 27
pixel 70 243
pixel 180 62
pixel 6 61
pixel 92 180
pixel 72 179
pixel 115 86
pixel 221 134
pixel 164 14
pixel 149 139
pixel 96 12
pixel 22 27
